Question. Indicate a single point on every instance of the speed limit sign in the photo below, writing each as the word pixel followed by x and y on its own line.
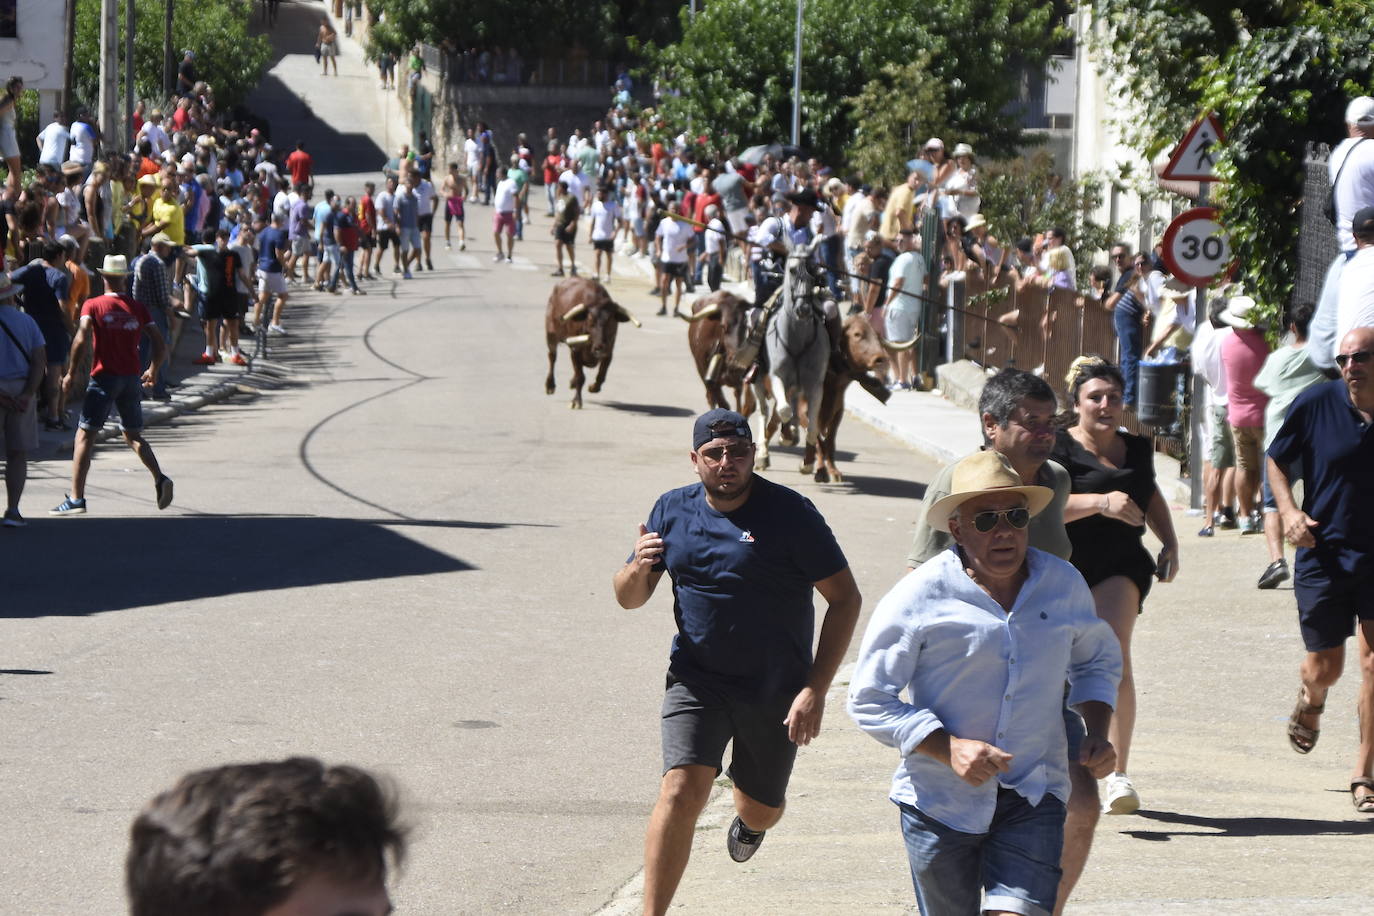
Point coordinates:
pixel 1196 247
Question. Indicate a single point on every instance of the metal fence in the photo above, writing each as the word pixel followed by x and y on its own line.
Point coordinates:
pixel 1317 246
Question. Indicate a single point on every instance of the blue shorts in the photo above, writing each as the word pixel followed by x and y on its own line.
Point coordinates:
pixel 123 392
pixel 1012 867
pixel 1329 609
pixel 1266 492
pixel 410 239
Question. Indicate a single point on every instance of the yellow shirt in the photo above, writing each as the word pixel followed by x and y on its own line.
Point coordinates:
pixel 176 220
pixel 900 203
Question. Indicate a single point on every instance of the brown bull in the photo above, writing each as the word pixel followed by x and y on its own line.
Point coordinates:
pixel 717 329
pixel 582 315
pixel 863 358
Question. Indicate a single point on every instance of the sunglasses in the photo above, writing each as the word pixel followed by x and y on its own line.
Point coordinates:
pixel 1359 356
pixel 735 451
pixel 986 521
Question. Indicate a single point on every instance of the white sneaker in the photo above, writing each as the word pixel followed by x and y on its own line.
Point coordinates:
pixel 276 329
pixel 1122 797
pixel 497 259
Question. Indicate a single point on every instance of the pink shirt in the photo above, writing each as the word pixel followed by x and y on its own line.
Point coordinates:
pixel 1243 354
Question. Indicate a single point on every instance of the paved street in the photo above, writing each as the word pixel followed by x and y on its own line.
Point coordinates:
pixel 398 554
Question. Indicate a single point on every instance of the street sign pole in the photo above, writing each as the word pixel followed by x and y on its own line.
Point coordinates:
pixel 1199 404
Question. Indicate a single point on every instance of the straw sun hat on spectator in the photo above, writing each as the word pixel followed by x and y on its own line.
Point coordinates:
pixel 980 474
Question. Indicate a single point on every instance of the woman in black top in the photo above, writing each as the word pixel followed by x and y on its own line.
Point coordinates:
pixel 1114 497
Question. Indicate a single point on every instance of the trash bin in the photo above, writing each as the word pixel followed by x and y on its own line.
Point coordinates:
pixel 1157 393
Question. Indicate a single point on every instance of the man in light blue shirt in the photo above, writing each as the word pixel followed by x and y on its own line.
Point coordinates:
pixel 982 639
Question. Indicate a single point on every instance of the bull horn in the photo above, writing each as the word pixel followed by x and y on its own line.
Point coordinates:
pixel 576 312
pixel 906 345
pixel 626 312
pixel 581 340
pixel 707 312
pixel 713 367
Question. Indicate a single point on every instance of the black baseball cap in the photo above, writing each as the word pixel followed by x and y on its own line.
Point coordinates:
pixel 719 423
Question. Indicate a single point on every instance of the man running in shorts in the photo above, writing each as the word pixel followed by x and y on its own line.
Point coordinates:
pixel 387 236
pixel 454 190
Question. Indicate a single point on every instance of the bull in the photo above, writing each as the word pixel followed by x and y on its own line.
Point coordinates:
pixel 582 315
pixel 718 325
pixel 862 358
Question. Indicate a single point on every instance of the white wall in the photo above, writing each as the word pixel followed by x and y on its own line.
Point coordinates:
pixel 39 53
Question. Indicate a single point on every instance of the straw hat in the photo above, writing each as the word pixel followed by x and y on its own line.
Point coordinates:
pixel 976 221
pixel 116 265
pixel 1237 313
pixel 978 475
pixel 962 149
pixel 8 289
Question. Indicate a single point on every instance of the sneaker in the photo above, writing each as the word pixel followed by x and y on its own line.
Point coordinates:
pixel 1227 520
pixel 1274 573
pixel 448 246
pixel 556 273
pixel 164 491
pixel 13 519
pixel 742 842
pixel 429 265
pixel 1206 532
pixel 1247 526
pixel 510 260
pixel 419 267
pixel 462 246
pixel 407 275
pixel 1121 795
pixel 204 359
pixel 395 269
pixel 276 329
pixel 496 259
pixel 238 360
pixel 69 506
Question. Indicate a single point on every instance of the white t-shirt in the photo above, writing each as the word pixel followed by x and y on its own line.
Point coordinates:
pixel 83 144
pixel 247 261
pixel 676 235
pixel 715 236
pixel 385 204
pixel 506 191
pixel 425 194
pixel 910 267
pixel 1355 162
pixel 604 214
pixel 577 183
pixel 54 138
pixel 470 151
pixel 1355 300
pixel 157 137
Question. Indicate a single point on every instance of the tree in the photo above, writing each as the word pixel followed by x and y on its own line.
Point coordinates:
pixel 892 115
pixel 227 57
pixel 1016 203
pixel 1278 74
pixel 732 70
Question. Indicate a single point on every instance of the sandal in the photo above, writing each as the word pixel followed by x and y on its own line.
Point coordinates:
pixel 1364 804
pixel 1302 738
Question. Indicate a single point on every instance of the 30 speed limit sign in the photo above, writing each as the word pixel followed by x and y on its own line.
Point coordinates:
pixel 1196 247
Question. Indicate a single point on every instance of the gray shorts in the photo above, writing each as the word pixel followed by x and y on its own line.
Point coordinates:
pixel 699 721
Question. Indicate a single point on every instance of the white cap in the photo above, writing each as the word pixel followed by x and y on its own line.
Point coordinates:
pixel 1360 111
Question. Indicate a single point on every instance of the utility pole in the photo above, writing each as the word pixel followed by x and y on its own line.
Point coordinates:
pixel 109 72
pixel 796 80
pixel 129 23
pixel 66 104
pixel 168 62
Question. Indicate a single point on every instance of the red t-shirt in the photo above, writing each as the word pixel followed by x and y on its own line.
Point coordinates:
pixel 117 320
pixel 368 223
pixel 299 163
pixel 699 208
pixel 180 118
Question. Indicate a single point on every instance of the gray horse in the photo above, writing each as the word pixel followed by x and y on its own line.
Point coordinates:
pixel 798 352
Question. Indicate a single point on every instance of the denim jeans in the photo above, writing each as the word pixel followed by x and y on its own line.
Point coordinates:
pixel 1016 863
pixel 830 251
pixel 1131 339
pixel 343 267
pixel 145 351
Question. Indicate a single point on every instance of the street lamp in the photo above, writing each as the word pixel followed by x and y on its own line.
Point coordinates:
pixel 796 80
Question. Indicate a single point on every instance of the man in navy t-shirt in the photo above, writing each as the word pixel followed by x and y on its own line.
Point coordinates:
pixel 274 257
pixel 743 555
pixel 1327 432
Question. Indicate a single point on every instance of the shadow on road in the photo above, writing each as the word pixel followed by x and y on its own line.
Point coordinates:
pixel 75 567
pixel 887 487
pixel 649 410
pixel 1245 827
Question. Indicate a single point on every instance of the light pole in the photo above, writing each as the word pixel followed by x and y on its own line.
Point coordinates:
pixel 796 80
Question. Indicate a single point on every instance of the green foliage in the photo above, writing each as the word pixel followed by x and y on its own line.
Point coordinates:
pixel 732 70
pixel 227 57
pixel 893 115
pixel 1286 86
pixel 1015 204
pixel 533 27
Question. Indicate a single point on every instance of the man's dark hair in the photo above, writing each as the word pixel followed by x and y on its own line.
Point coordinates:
pixel 237 840
pixel 1024 244
pixel 329 194
pixel 1059 233
pixel 209 234
pixel 1004 392
pixel 53 251
pixel 1122 245
pixel 300 144
pixel 145 148
pixel 1300 317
